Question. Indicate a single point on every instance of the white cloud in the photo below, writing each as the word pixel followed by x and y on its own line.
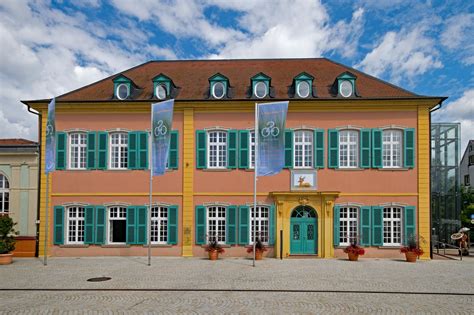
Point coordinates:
pixel 460 110
pixel 402 55
pixel 458 34
pixel 47 52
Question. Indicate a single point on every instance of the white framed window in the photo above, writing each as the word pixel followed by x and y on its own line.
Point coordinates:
pixel 159 225
pixel 260 89
pixel 217 149
pixel 262 223
pixel 117 227
pixel 77 150
pixel 303 148
pixel 118 158
pixel 123 91
pixel 218 90
pixel 216 223
pixel 75 225
pixel 252 149
pixel 4 194
pixel 345 89
pixel 392 148
pixel 348 149
pixel 392 226
pixel 303 89
pixel 160 91
pixel 348 225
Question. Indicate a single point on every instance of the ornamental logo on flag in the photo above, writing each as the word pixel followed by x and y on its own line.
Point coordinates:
pixel 271 142
pixel 50 158
pixel 162 120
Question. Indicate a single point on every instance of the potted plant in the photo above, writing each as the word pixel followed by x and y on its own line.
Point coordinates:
pixel 259 249
pixel 412 250
pixel 214 248
pixel 7 241
pixel 354 250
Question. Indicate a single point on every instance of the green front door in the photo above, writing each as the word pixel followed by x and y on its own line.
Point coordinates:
pixel 303 231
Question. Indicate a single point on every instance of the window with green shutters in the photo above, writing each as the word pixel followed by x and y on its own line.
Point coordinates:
pixel 200 220
pixel 365 136
pixel 244 216
pixel 231 225
pixel 333 148
pixel 218 149
pixel 58 232
pixel 61 144
pixel 409 148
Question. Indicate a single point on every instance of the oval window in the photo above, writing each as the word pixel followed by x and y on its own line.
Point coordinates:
pixel 346 88
pixel 160 91
pixel 122 91
pixel 302 89
pixel 218 90
pixel 260 90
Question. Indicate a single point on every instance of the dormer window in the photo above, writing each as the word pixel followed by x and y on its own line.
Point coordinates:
pixel 303 84
pixel 260 85
pixel 161 87
pixel 218 85
pixel 346 84
pixel 122 87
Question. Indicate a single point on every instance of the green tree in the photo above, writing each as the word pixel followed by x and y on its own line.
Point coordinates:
pixel 467 205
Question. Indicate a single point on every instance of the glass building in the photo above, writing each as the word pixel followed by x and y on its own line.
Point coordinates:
pixel 445 182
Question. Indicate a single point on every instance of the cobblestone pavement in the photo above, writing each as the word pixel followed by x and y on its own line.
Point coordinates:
pixel 276 286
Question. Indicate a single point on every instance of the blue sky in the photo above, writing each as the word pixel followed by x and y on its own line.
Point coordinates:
pixel 51 47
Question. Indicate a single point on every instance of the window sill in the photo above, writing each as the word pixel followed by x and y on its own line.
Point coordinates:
pixel 350 169
pixel 222 245
pixel 159 246
pixel 218 169
pixel 115 246
pixel 394 169
pixel 74 246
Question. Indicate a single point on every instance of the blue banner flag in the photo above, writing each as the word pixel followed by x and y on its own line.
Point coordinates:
pixel 271 138
pixel 162 120
pixel 50 151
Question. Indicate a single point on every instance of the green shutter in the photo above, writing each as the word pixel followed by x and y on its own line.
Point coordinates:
pixel 100 225
pixel 377 148
pixel 141 225
pixel 173 225
pixel 244 217
pixel 61 144
pixel 89 237
pixel 409 148
pixel 333 144
pixel 365 135
pixel 336 226
pixel 142 150
pixel 102 145
pixel 131 225
pixel 318 148
pixel 201 147
pixel 365 218
pixel 231 225
pixel 271 226
pixel 132 150
pixel 58 232
pixel 232 149
pixel 200 225
pixel 173 152
pixel 91 148
pixel 244 136
pixel 409 220
pixel 288 148
pixel 377 226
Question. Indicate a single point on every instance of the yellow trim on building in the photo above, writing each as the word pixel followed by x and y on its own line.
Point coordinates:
pixel 423 146
pixel 42 229
pixel 106 194
pixel 188 182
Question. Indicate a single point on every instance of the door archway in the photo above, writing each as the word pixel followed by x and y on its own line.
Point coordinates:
pixel 304 231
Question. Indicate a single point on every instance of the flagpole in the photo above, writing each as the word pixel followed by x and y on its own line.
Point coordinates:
pixel 46 229
pixel 255 184
pixel 148 223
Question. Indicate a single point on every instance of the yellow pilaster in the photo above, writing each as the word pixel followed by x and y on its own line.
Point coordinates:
pixel 328 216
pixel 424 180
pixel 42 226
pixel 188 182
